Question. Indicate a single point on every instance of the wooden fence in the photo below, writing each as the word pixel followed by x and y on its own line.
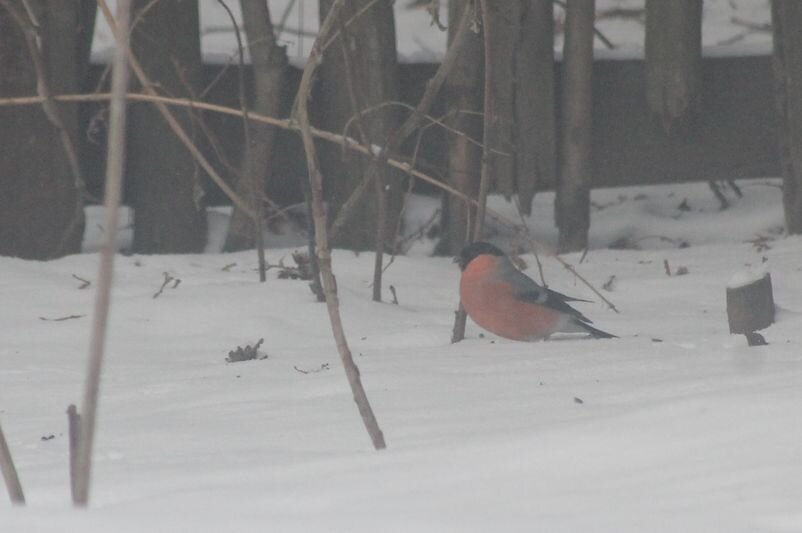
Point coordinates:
pixel 733 136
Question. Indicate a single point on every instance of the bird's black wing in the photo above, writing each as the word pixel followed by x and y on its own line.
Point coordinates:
pixel 553 300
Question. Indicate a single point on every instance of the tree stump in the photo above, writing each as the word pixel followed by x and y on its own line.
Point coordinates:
pixel 750 304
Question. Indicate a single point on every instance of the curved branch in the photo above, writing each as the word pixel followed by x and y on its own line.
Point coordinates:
pixel 335 138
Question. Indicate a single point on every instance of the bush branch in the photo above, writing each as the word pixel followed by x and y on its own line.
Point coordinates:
pixel 323 249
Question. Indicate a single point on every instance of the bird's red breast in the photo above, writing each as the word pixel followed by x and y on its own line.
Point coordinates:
pixel 493 304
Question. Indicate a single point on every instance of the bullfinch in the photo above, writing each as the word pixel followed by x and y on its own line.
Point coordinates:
pixel 506 302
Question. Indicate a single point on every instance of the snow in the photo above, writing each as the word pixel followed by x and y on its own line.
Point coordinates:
pixel 676 426
pixel 746 277
pixel 730 27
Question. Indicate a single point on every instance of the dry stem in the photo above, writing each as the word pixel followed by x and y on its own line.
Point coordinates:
pixel 323 249
pixel 254 181
pixel 74 429
pixel 10 472
pixel 458 331
pixel 114 170
pixel 287 124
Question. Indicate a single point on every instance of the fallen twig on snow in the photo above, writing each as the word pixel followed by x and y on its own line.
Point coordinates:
pixel 84 282
pixel 61 318
pixel 167 280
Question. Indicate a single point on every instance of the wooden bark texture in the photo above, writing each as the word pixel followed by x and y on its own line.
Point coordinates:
pixel 673 60
pixel 41 214
pixel 572 203
pixel 269 64
pixel 787 60
pixel 370 39
pixel 167 183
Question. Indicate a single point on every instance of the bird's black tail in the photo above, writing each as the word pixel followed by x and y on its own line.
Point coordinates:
pixel 597 333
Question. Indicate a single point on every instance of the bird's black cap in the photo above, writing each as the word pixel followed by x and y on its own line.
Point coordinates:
pixel 473 250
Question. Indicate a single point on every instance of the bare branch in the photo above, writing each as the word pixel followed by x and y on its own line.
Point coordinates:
pixel 10 472
pixel 335 138
pixel 323 250
pixel 74 432
pixel 248 171
pixel 419 114
pixel 113 191
pixel 458 331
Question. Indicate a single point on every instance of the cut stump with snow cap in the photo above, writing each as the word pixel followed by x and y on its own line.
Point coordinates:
pixel 750 302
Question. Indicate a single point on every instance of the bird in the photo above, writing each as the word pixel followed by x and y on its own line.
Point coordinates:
pixel 503 300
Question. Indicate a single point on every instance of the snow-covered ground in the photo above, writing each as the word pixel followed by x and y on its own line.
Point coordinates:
pixel 675 426
pixel 729 27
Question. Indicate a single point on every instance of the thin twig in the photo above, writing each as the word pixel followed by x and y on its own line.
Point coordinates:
pixel 84 282
pixel 167 279
pixel 461 316
pixel 489 120
pixel 248 171
pixel 432 121
pixel 74 431
pixel 328 136
pixel 285 15
pixel 394 141
pixel 10 472
pixel 61 318
pixel 113 191
pixel 334 138
pixel 419 114
pixel 378 175
pixel 532 246
pixel 348 22
pixel 323 249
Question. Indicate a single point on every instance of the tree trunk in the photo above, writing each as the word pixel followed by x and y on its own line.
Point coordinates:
pixel 463 91
pixel 169 215
pixel 673 59
pixel 269 64
pixel 572 203
pixel 504 26
pixel 370 39
pixel 535 164
pixel 786 18
pixel 41 208
pixel 86 31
